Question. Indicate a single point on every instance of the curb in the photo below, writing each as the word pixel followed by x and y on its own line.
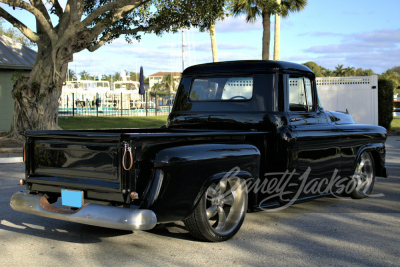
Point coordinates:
pixel 5 157
pixel 12 160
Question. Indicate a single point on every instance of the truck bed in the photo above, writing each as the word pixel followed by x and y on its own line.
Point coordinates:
pixel 92 160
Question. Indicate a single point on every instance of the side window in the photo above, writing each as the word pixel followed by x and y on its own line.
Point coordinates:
pixel 222 89
pixel 300 94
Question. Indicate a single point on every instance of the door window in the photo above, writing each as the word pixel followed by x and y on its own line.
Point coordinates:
pixel 300 94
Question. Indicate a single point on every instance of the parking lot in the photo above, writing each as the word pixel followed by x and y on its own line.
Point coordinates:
pixel 326 231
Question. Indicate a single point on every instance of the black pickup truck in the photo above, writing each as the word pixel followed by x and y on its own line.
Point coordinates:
pixel 242 136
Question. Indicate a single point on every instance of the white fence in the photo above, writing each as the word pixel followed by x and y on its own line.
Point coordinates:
pixel 115 104
pixel 358 95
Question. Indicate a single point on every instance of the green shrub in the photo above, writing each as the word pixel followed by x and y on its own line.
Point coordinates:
pixel 385 102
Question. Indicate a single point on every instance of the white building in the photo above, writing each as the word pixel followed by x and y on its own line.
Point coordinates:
pixel 157 78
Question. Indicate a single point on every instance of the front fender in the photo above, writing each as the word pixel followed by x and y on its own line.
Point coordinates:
pixel 182 174
pixel 378 152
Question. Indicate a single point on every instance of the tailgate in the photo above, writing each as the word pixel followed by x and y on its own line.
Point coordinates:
pixel 77 160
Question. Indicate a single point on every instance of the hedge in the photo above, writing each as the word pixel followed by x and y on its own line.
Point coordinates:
pixel 385 102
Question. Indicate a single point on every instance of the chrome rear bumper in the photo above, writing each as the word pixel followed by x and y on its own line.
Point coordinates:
pixel 92 214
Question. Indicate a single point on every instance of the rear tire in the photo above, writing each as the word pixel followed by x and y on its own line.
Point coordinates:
pixel 364 176
pixel 220 212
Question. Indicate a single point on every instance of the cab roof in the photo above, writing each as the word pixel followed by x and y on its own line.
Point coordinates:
pixel 243 66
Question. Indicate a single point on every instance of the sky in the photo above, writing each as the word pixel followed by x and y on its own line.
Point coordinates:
pixel 354 33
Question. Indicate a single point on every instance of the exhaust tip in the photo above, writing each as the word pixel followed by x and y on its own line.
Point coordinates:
pixel 22 182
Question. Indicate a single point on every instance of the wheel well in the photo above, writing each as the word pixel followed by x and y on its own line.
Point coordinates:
pixel 377 163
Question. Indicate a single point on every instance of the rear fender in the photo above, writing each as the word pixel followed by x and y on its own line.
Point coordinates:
pixel 181 175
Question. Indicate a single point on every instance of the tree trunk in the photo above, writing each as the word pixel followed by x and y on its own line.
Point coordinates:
pixel 36 97
pixel 266 17
pixel 213 43
pixel 277 39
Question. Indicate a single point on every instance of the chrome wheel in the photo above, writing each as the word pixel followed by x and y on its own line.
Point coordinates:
pixel 225 205
pixel 220 212
pixel 364 176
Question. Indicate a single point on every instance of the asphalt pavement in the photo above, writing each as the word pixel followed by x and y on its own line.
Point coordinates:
pixel 323 232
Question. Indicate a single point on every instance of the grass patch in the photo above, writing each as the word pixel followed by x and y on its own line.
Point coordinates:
pixel 395 125
pixel 85 123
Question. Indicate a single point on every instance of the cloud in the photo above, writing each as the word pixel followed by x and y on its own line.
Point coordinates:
pixel 120 42
pixel 161 58
pixel 166 46
pixel 377 50
pixel 165 53
pixel 339 48
pixel 320 34
pixel 229 56
pixel 237 24
pixel 230 46
pixel 285 23
pixel 206 46
pixel 296 58
pixel 114 59
pixel 384 37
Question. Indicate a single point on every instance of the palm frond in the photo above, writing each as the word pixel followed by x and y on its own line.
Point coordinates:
pixel 291 6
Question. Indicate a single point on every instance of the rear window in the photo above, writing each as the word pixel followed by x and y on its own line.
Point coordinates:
pixel 222 89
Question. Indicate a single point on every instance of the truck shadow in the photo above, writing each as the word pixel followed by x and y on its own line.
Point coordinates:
pixel 176 230
pixel 27 224
pixel 326 208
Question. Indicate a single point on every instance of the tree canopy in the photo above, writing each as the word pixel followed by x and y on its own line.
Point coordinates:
pixel 314 67
pixel 14 34
pixel 393 74
pixel 101 21
pixel 339 71
pixel 62 31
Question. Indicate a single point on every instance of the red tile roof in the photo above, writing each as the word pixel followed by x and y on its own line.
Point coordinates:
pixel 162 74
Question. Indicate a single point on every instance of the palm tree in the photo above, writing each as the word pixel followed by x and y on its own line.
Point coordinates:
pixel 156 87
pixel 327 72
pixel 349 71
pixel 339 70
pixel 213 42
pixel 84 75
pixel 218 15
pixel 116 76
pixel 168 82
pixel 277 38
pixel 264 8
pixel 71 75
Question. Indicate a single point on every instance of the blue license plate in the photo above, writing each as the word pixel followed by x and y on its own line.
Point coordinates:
pixel 72 198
